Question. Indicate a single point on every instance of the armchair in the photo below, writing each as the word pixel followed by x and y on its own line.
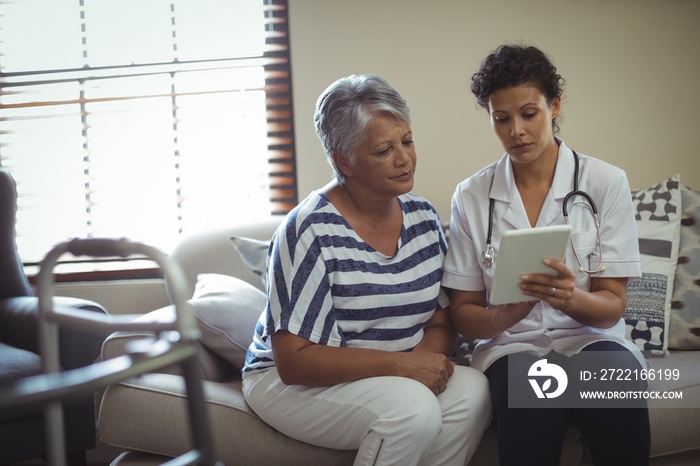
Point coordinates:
pixel 22 437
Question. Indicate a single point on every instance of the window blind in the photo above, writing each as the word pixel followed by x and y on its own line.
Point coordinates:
pixel 144 119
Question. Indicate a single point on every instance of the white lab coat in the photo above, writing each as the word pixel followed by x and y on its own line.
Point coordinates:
pixel 545 328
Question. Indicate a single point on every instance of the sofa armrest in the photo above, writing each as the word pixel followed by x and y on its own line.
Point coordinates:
pixel 212 367
pixel 19 318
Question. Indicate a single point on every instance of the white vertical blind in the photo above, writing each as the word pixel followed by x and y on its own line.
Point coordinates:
pixel 144 118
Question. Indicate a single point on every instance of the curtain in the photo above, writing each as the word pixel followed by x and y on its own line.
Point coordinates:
pixel 144 119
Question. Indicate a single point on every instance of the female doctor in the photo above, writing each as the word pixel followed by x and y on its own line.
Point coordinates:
pixel 578 309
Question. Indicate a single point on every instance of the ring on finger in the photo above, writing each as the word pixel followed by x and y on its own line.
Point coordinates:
pixel 553 292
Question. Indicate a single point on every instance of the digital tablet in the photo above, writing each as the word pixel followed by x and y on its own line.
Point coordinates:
pixel 522 251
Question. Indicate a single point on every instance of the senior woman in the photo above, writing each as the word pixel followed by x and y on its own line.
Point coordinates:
pixel 352 349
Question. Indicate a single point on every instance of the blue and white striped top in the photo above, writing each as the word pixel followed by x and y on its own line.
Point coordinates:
pixel 327 285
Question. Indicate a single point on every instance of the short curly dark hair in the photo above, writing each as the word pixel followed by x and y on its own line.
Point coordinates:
pixel 514 65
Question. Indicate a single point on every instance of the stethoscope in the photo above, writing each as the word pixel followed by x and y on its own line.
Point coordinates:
pixel 488 255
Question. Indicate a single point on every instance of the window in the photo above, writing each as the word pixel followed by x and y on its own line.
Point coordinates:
pixel 144 119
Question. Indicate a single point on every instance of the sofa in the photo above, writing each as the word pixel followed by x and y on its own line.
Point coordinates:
pixel 146 416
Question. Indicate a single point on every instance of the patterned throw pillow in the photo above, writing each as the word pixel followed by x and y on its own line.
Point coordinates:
pixel 658 213
pixel 254 255
pixel 463 354
pixel 684 328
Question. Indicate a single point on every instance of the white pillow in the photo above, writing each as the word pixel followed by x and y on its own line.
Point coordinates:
pixel 227 310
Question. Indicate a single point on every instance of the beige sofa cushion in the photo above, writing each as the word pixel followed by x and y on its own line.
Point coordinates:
pixel 158 402
pixel 677 430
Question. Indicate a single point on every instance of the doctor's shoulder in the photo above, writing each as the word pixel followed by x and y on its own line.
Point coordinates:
pixel 601 173
pixel 478 184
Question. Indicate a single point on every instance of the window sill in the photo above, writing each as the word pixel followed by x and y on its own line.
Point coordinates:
pixel 106 274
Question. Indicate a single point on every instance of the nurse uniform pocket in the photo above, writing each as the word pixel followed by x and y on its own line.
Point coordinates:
pixel 586 244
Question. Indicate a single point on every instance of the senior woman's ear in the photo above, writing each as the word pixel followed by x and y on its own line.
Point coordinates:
pixel 343 163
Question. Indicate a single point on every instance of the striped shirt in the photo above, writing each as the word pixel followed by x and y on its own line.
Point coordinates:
pixel 328 286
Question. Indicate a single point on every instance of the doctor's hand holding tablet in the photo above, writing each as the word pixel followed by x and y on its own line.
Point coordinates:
pixel 529 265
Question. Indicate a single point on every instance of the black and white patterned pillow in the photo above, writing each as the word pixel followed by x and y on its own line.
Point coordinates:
pixel 254 254
pixel 658 214
pixel 684 328
pixel 465 347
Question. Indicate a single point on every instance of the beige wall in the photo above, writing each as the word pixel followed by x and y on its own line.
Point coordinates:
pixel 632 69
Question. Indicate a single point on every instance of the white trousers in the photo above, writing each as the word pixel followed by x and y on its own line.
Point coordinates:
pixel 389 420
